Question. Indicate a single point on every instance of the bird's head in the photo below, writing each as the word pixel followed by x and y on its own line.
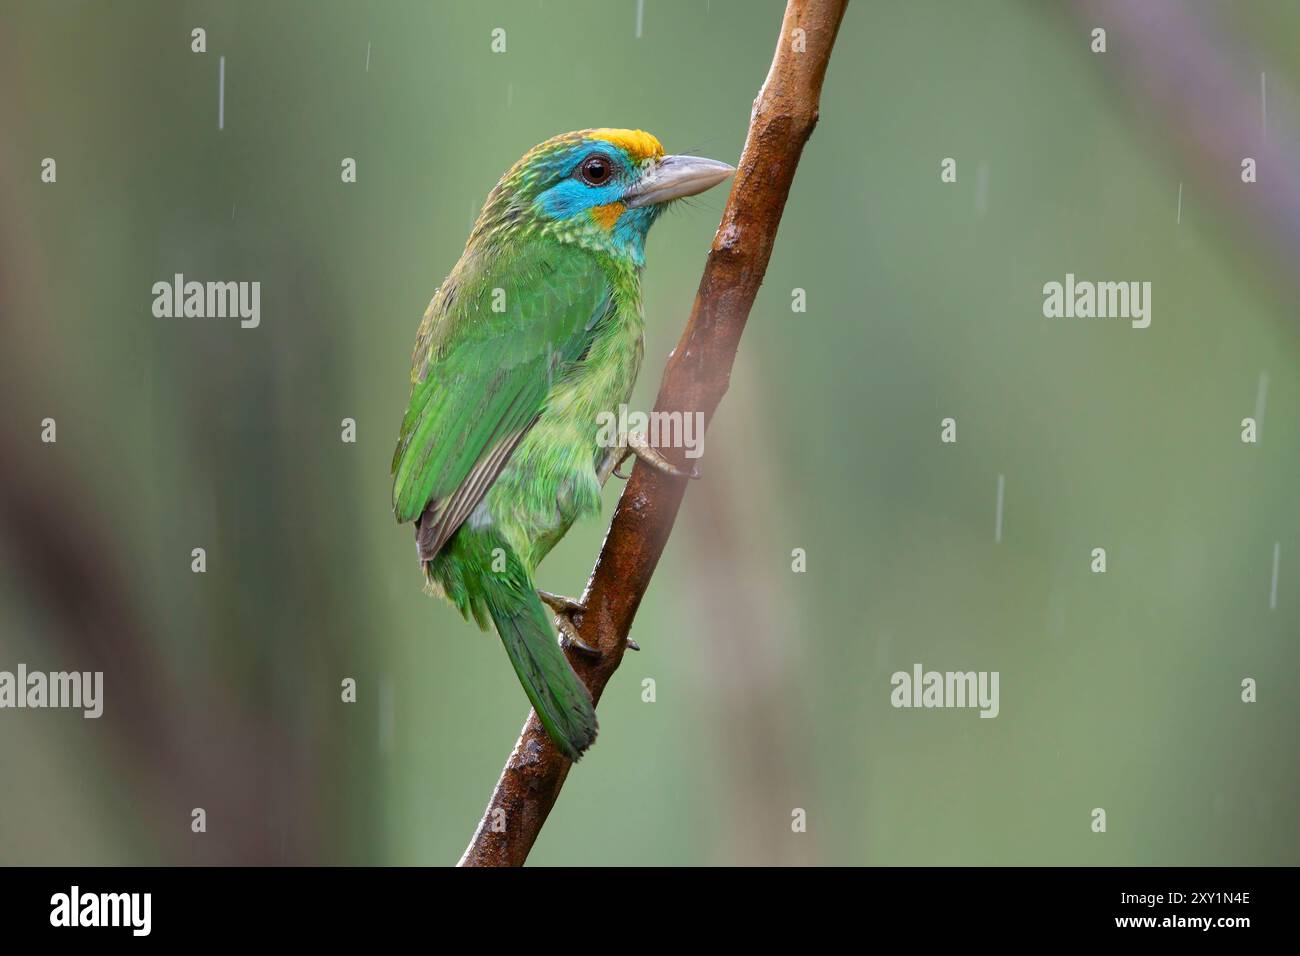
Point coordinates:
pixel 599 188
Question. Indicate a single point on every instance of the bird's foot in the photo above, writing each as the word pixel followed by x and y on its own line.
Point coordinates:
pixel 565 608
pixel 639 445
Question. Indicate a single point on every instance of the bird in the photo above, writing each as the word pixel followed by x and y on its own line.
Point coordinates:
pixel 535 333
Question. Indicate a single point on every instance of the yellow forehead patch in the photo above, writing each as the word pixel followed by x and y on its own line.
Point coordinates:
pixel 639 144
pixel 608 214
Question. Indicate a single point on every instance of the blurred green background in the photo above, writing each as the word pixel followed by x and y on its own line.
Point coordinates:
pixel 222 690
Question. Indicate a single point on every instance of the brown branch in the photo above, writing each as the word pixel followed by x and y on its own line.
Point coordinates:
pixel 695 380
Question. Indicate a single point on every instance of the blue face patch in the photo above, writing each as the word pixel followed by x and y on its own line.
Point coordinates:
pixel 573 196
pixel 570 195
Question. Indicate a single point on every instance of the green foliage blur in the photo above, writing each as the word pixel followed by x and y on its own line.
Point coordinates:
pixel 771 688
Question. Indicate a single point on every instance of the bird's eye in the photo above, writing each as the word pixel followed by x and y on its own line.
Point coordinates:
pixel 596 169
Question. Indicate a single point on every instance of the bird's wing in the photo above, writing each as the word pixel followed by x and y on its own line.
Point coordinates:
pixel 480 377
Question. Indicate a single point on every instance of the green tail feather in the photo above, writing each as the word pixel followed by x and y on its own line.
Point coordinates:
pixel 562 702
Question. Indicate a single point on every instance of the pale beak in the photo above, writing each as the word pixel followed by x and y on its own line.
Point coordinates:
pixel 674 177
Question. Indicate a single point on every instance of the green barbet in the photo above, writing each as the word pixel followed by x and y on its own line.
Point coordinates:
pixel 536 332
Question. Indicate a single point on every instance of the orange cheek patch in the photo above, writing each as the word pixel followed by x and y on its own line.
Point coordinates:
pixel 607 215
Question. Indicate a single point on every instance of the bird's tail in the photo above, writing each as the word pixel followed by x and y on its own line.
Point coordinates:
pixel 562 703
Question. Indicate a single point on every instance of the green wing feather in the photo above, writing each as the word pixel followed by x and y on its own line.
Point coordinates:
pixel 480 377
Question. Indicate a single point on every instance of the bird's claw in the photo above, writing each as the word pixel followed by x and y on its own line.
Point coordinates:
pixel 569 636
pixel 637 444
pixel 564 608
